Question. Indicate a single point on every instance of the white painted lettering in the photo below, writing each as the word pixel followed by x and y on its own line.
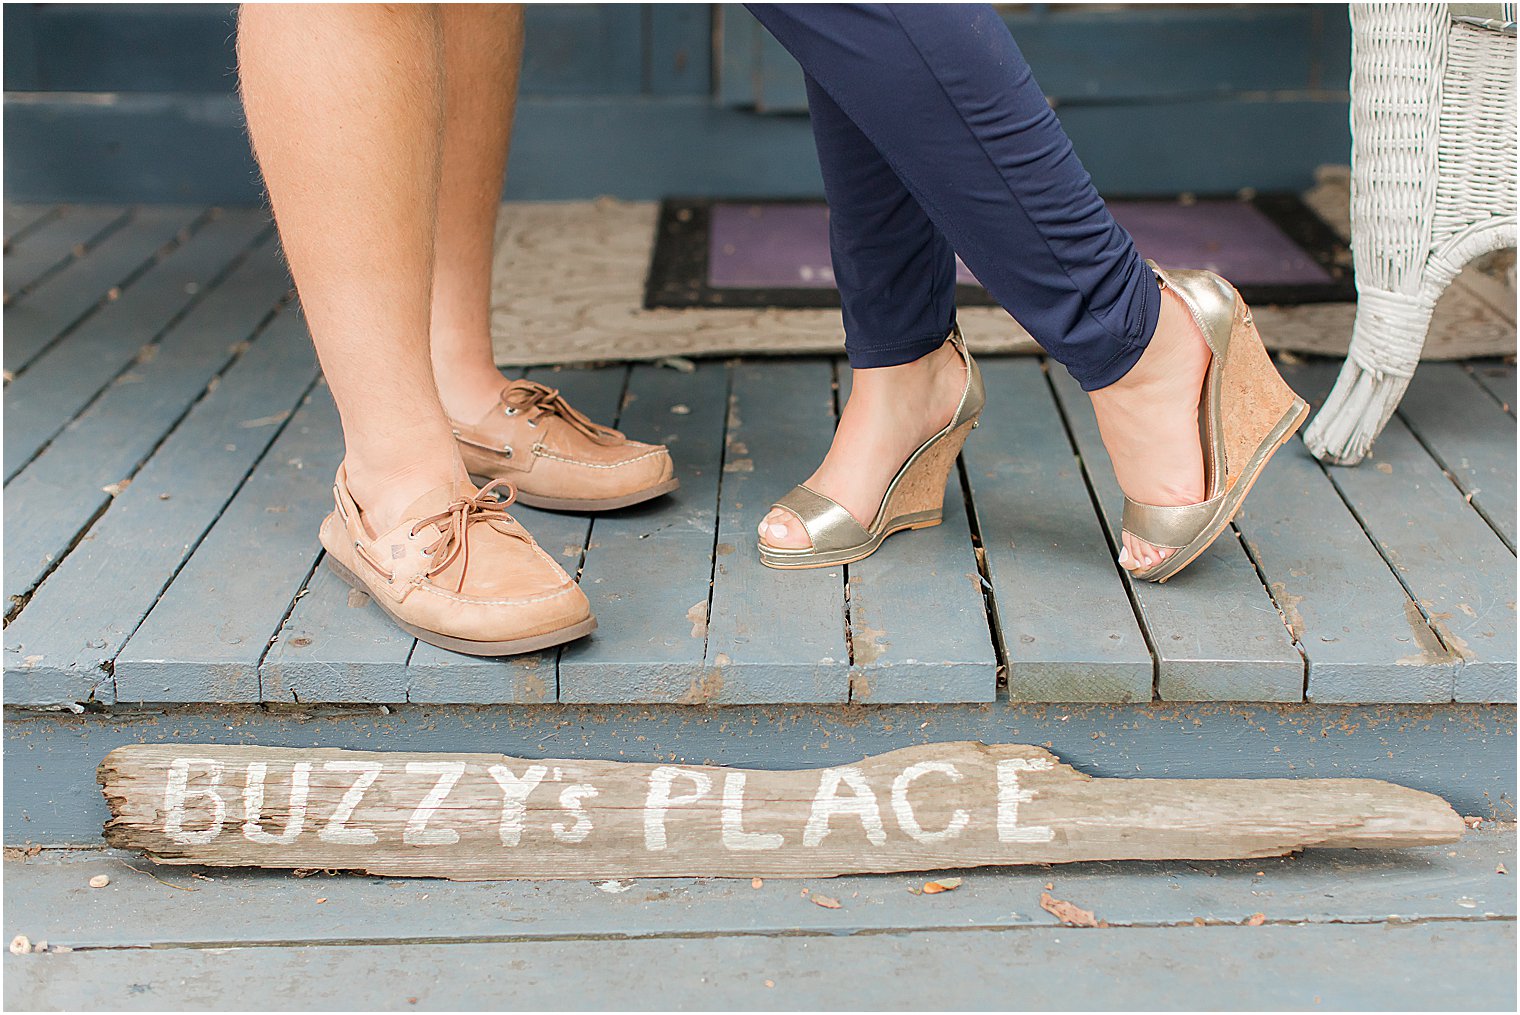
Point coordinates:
pixel 734 835
pixel 827 803
pixel 177 794
pixel 253 804
pixel 570 799
pixel 336 829
pixel 514 799
pixel 659 800
pixel 901 807
pixel 417 833
pixel 1011 794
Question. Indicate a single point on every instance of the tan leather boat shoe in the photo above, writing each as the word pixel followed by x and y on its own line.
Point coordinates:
pixel 458 572
pixel 559 459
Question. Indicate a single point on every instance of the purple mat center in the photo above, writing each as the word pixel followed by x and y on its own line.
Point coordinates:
pixel 786 246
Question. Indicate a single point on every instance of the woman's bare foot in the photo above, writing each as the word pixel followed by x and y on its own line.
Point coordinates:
pixel 891 411
pixel 1149 423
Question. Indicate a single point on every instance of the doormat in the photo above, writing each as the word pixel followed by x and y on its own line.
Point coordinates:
pixel 775 252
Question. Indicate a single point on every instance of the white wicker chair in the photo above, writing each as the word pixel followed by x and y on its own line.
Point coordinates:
pixel 1433 163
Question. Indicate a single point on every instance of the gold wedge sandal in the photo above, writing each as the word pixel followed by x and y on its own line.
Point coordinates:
pixel 914 499
pixel 1248 412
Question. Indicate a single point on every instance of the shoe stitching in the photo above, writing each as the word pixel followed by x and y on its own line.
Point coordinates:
pixel 541 453
pixel 455 597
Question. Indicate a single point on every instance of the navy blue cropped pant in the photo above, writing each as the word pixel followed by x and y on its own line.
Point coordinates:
pixel 934 138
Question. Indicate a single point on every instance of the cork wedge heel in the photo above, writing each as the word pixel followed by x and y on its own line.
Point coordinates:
pixel 1246 414
pixel 915 499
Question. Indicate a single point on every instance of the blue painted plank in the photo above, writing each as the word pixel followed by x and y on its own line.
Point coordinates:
pixel 1455 882
pixel 336 646
pixel 649 570
pixel 1216 632
pixel 1465 753
pixel 680 49
pixel 1069 629
pixel 901 652
pixel 1470 437
pixel 644 148
pixel 64 379
pixel 1457 568
pixel 772 636
pixel 61 301
pixel 1364 638
pixel 209 631
pixel 21 218
pixel 55 243
pixel 438 675
pixel 583 49
pixel 55 498
pixel 1112 56
pixel 153 47
pixel 61 647
pixel 20 36
pixel 1280 967
pixel 1498 379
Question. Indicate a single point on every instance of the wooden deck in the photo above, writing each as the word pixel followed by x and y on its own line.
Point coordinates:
pixel 1339 930
pixel 169 450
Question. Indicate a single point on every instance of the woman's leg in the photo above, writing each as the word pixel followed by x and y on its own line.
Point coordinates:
pixel 944 95
pixel 482 45
pixel 345 105
pixel 896 276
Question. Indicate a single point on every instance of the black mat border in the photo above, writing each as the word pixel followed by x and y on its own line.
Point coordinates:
pixel 677 276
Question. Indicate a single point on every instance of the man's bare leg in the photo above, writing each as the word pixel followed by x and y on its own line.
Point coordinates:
pixel 482 46
pixel 345 108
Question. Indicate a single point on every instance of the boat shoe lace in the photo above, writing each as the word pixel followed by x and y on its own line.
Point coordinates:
pixel 453 523
pixel 534 401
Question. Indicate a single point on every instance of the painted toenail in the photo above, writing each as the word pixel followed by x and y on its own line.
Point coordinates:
pixel 779 531
pixel 1124 559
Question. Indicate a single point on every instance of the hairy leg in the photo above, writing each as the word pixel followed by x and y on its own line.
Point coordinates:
pixel 482 46
pixel 345 108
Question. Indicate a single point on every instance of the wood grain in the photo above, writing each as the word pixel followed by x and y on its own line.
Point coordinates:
pixel 485 817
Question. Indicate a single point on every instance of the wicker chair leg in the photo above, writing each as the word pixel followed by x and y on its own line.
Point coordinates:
pixel 1385 349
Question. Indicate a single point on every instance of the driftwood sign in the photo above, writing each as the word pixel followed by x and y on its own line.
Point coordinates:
pixel 485 816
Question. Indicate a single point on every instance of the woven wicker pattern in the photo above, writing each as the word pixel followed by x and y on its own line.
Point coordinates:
pixel 1433 185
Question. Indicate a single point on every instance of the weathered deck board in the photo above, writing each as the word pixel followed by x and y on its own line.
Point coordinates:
pixel 1456 567
pixel 1216 632
pixel 1047 553
pixel 59 649
pixel 1338 967
pixel 186 651
pixel 53 500
pixel 336 646
pixel 1498 379
pixel 63 299
pixel 438 675
pixel 54 243
pixel 648 573
pixel 900 651
pixel 773 636
pixel 63 380
pixel 1422 883
pixel 19 218
pixel 1364 639
pixel 1469 436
